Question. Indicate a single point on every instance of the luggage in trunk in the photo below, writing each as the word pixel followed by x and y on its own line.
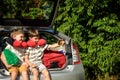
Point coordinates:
pixel 54 59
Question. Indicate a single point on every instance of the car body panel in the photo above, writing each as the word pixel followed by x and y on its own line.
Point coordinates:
pixel 71 72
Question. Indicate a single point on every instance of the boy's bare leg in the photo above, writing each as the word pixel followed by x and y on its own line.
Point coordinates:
pixel 35 74
pixel 24 72
pixel 14 75
pixel 46 74
pixel 24 75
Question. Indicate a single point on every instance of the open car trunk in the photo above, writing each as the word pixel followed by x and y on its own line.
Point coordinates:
pixel 53 59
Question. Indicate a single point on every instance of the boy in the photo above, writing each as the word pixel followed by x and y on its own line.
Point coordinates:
pixel 34 55
pixel 13 56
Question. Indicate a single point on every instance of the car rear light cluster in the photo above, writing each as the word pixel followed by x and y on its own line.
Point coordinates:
pixel 75 53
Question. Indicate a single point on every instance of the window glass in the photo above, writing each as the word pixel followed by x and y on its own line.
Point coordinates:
pixel 40 11
pixel 28 9
pixel 50 38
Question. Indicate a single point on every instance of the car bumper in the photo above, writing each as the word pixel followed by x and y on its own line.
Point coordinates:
pixel 71 72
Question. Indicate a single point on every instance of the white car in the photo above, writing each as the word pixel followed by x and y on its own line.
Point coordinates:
pixel 40 14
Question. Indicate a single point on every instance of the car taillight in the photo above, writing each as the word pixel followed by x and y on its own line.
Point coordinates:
pixel 75 53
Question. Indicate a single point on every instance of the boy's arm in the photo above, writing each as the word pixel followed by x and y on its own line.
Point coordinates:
pixel 28 62
pixel 59 43
pixel 53 46
pixel 27 59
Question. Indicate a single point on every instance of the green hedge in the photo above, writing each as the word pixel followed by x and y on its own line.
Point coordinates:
pixel 95 26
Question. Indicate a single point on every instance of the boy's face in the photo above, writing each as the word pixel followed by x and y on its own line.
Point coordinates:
pixel 19 37
pixel 35 39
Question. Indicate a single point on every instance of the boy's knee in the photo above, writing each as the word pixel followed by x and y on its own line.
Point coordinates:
pixel 45 72
pixel 35 72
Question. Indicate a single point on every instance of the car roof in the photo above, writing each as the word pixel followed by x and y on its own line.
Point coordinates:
pixel 34 13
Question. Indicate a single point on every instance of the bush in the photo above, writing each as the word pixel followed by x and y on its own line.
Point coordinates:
pixel 95 26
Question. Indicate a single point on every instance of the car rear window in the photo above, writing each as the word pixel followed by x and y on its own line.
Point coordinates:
pixel 27 12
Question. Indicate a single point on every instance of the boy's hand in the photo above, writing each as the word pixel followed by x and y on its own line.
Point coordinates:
pixel 61 42
pixel 9 66
pixel 26 64
pixel 33 65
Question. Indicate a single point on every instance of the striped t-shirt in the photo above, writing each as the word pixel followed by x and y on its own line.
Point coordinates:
pixel 35 54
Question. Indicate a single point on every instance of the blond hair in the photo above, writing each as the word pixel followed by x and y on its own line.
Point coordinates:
pixel 16 32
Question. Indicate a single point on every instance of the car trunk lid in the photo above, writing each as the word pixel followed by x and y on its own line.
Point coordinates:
pixel 33 13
